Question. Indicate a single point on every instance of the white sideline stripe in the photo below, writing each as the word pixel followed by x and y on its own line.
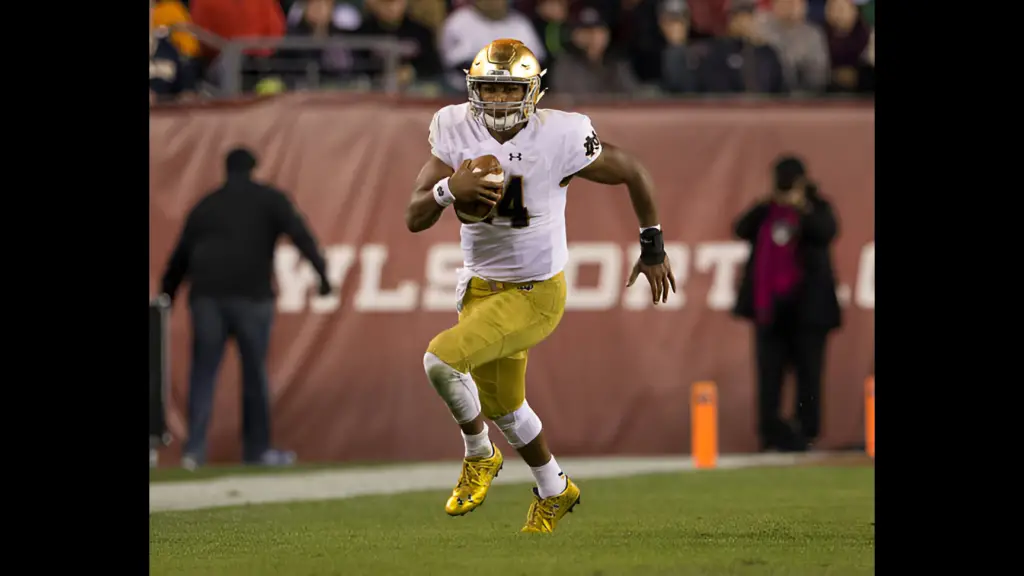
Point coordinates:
pixel 349 483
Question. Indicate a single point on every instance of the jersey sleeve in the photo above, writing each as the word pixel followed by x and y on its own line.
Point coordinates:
pixel 581 144
pixel 439 145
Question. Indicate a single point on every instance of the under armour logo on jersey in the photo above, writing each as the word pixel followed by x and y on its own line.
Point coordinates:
pixel 440 192
pixel 592 144
pixel 517 156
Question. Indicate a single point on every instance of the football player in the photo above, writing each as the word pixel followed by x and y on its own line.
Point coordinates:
pixel 511 291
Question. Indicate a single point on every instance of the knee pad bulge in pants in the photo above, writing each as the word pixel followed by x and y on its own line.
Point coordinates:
pixel 456 389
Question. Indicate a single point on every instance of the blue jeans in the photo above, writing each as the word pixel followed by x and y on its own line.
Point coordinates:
pixel 214 320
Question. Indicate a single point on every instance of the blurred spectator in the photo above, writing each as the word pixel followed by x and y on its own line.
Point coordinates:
pixel 801 46
pixel 679 62
pixel 709 18
pixel 847 42
pixel 815 9
pixel 741 61
pixel 231 19
pixel 389 18
pixel 169 79
pixel 789 292
pixel 549 20
pixel 587 66
pixel 468 29
pixel 169 13
pixel 323 19
pixel 344 16
pixel 430 13
pixel 637 31
pixel 816 12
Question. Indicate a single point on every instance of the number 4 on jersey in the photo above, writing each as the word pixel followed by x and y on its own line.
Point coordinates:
pixel 511 204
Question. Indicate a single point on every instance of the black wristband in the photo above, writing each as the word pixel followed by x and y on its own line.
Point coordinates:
pixel 652 247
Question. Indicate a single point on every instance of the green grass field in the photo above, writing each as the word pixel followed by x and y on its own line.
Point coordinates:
pixel 781 521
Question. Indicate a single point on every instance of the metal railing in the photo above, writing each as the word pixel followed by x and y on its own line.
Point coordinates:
pixel 231 58
pixel 231 65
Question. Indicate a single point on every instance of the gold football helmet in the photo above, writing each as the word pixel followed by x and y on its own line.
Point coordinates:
pixel 504 61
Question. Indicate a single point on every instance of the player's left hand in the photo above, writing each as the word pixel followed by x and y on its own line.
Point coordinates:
pixel 660 277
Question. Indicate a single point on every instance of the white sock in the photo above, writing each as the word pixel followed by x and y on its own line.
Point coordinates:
pixel 478 445
pixel 550 480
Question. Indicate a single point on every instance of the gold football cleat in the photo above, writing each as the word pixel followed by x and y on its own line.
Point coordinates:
pixel 545 513
pixel 474 482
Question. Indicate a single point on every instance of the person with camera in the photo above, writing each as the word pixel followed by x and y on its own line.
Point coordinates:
pixel 788 291
pixel 226 250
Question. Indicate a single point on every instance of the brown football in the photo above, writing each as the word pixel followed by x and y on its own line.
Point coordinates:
pixel 470 212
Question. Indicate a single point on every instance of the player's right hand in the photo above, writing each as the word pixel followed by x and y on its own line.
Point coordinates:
pixel 469 187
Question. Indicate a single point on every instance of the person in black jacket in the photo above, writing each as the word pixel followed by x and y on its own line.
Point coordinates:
pixel 226 249
pixel 789 292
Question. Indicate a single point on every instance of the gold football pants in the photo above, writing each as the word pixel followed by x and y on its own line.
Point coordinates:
pixel 499 323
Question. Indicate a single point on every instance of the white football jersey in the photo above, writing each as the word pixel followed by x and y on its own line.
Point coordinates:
pixel 526 238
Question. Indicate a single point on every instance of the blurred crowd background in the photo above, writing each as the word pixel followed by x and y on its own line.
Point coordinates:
pixel 654 48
